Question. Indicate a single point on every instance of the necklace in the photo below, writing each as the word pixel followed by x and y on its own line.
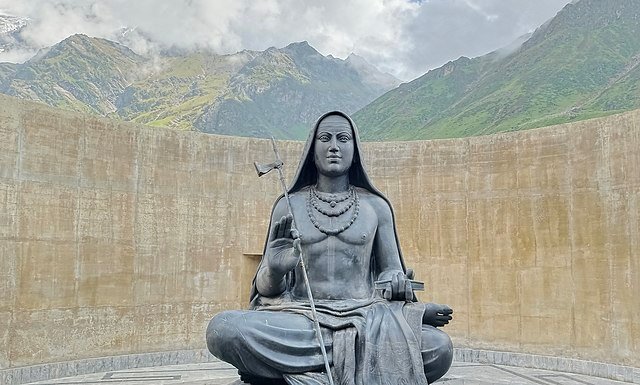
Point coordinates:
pixel 332 199
pixel 333 211
pixel 335 231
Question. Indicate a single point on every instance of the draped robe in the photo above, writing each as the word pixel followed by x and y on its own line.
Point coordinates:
pixel 369 342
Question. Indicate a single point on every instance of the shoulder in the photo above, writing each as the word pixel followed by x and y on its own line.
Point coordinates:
pixel 376 202
pixel 371 198
pixel 297 198
pixel 280 208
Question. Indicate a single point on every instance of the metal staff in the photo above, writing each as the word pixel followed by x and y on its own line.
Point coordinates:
pixel 264 169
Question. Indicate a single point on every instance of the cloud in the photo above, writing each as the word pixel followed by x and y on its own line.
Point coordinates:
pixel 18 55
pixel 446 30
pixel 403 37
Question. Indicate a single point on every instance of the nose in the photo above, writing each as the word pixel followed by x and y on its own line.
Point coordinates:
pixel 333 145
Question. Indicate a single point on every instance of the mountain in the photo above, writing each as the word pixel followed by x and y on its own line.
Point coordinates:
pixel 7 70
pixel 581 64
pixel 179 87
pixel 274 92
pixel 371 74
pixel 281 92
pixel 80 73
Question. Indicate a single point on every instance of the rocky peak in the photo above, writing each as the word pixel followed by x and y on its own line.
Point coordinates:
pixel 301 47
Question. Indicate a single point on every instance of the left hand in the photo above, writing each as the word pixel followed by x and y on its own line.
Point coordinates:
pixel 436 315
pixel 401 289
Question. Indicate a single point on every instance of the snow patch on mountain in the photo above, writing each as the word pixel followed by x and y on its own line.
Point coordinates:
pixel 10 24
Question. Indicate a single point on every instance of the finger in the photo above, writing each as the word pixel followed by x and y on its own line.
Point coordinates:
pixel 287 226
pixel 401 285
pixel 410 273
pixel 295 234
pixel 274 231
pixel 387 294
pixel 446 310
pixel 296 247
pixel 395 285
pixel 408 291
pixel 281 227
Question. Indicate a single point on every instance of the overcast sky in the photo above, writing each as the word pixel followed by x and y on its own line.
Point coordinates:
pixel 402 37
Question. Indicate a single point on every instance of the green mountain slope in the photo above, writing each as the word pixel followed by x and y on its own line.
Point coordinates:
pixel 582 63
pixel 276 92
pixel 80 73
pixel 7 70
pixel 178 91
pixel 281 91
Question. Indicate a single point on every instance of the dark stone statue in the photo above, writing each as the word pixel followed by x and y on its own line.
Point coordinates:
pixel 347 236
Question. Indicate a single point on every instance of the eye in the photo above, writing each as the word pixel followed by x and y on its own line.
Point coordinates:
pixel 324 137
pixel 344 138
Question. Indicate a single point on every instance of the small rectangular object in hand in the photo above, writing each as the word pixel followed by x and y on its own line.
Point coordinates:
pixel 386 284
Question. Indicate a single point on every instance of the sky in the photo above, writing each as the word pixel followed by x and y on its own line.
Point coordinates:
pixel 403 37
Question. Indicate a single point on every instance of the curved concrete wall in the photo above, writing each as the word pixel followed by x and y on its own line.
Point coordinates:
pixel 117 239
pixel 533 237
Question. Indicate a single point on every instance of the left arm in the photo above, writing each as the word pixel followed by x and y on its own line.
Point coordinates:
pixel 387 254
pixel 388 258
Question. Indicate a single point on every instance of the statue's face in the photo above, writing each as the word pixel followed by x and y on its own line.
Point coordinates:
pixel 333 146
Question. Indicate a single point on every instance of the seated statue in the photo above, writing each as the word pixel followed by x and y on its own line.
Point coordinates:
pixel 347 237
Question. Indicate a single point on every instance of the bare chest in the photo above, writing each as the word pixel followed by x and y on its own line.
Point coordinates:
pixel 355 227
pixel 338 264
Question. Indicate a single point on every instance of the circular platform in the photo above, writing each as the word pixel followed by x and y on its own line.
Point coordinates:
pixel 220 373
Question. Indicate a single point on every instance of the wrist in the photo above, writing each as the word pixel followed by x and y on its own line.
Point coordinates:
pixel 387 274
pixel 270 282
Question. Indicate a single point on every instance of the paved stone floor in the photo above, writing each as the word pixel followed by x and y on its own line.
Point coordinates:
pixel 219 373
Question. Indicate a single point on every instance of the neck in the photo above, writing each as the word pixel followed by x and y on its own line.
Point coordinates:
pixel 332 184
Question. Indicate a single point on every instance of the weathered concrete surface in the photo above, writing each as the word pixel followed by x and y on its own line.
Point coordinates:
pixel 116 238
pixel 533 237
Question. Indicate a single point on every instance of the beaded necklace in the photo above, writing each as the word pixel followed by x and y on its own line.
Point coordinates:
pixel 332 199
pixel 333 211
pixel 312 204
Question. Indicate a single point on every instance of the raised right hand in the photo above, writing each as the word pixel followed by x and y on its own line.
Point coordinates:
pixel 283 247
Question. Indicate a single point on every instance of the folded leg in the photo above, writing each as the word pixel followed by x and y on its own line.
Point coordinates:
pixel 266 343
pixel 437 352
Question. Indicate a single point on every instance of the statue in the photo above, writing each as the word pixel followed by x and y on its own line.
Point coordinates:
pixel 346 233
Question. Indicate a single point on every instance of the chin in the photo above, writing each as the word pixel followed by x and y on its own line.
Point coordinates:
pixel 335 171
